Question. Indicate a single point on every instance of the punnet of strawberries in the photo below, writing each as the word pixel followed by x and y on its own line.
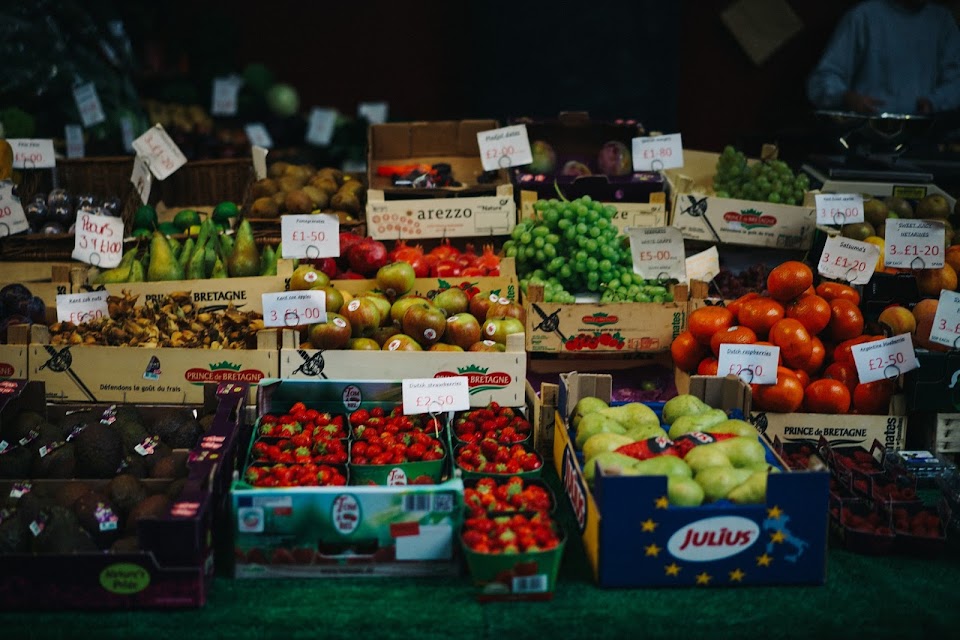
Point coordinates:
pixel 489 456
pixel 518 533
pixel 515 494
pixel 923 523
pixel 294 475
pixel 503 424
pixel 301 420
pixel 301 450
pixel 380 421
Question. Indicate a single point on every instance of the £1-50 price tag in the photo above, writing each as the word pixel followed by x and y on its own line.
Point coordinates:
pixel 850 260
pixel 12 218
pixel 885 358
pixel 839 208
pixel 657 153
pixel 294 308
pixel 31 153
pixel 658 252
pixel 505 147
pixel 162 153
pixel 433 395
pixel 310 236
pixel 946 322
pixel 913 244
pixel 82 307
pixel 98 240
pixel 754 364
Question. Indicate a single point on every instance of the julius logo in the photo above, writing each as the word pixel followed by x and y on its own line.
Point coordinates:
pixel 600 319
pixel 749 219
pixel 222 372
pixel 713 538
pixel 478 379
pixel 345 513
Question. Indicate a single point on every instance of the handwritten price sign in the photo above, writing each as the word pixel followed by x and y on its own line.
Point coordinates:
pixel 657 153
pixel 141 178
pixel 88 104
pixel 258 135
pixel 754 364
pixel 849 260
pixel 161 152
pixel 946 322
pixel 839 208
pixel 224 100
pixel 885 358
pixel 913 244
pixel 658 252
pixel 310 236
pixel 73 134
pixel 505 147
pixel 98 240
pixel 82 307
pixel 320 126
pixel 31 153
pixel 12 218
pixel 294 308
pixel 433 395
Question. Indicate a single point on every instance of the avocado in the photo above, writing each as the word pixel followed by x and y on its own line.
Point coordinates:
pixel 179 429
pixel 99 451
pixel 125 491
pixel 98 515
pixel 134 465
pixel 12 538
pixel 21 426
pixel 169 467
pixel 67 494
pixel 151 507
pixel 132 432
pixel 62 534
pixel 15 463
pixel 59 463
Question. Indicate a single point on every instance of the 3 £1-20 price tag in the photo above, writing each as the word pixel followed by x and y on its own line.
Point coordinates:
pixel 885 358
pixel 12 218
pixel 435 395
pixel 98 240
pixel 161 152
pixel 294 308
pixel 849 260
pixel 656 153
pixel 33 153
pixel 82 307
pixel 658 252
pixel 314 235
pixel 946 322
pixel 839 208
pixel 754 364
pixel 505 147
pixel 913 244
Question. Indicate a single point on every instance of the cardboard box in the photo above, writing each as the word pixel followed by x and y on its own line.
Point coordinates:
pixel 441 217
pixel 13 361
pixel 912 192
pixel 633 538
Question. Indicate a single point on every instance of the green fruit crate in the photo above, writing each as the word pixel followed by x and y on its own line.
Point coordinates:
pixel 474 475
pixel 388 475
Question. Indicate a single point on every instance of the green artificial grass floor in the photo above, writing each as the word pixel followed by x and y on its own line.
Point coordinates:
pixel 864 597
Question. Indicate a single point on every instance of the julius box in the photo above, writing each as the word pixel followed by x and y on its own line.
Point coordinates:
pixel 633 537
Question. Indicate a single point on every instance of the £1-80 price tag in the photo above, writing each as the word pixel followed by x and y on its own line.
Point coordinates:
pixel 433 395
pixel 657 153
pixel 82 307
pixel 162 153
pixel 839 208
pixel 946 322
pixel 658 252
pixel 12 218
pixel 850 260
pixel 885 358
pixel 754 364
pixel 913 244
pixel 505 147
pixel 30 153
pixel 294 308
pixel 310 236
pixel 98 240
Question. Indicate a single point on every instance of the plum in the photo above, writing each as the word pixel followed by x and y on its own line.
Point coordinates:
pixel 11 296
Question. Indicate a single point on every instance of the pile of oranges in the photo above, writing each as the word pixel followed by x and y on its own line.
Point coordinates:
pixel 815 329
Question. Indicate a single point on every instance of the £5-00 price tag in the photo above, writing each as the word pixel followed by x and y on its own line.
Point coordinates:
pixel 12 218
pixel 754 364
pixel 505 147
pixel 162 153
pixel 82 307
pixel 310 236
pixel 658 252
pixel 913 244
pixel 850 260
pixel 946 322
pixel 294 308
pixel 433 395
pixel 98 240
pixel 657 153
pixel 885 358
pixel 839 208
pixel 33 153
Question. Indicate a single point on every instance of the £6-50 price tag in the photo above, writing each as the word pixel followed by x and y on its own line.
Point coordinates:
pixel 946 322
pixel 657 153
pixel 754 364
pixel 850 260
pixel 161 152
pixel 294 308
pixel 885 358
pixel 839 208
pixel 12 218
pixel 30 153
pixel 913 244
pixel 98 240
pixel 658 252
pixel 505 147
pixel 82 307
pixel 310 236
pixel 433 395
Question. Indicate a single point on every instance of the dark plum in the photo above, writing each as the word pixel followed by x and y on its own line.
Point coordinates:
pixel 11 296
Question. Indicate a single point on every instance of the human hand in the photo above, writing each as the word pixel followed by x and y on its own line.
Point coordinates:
pixel 924 106
pixel 860 103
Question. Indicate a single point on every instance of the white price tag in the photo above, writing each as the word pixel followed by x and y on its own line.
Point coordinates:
pixel 12 218
pixel 73 133
pixel 320 126
pixel 374 112
pixel 259 156
pixel 294 308
pixel 224 101
pixel 913 244
pixel 704 266
pixel 849 260
pixel 885 358
pixel 88 104
pixel 310 236
pixel 141 178
pixel 82 307
pixel 754 364
pixel 946 322
pixel 658 252
pixel 435 395
pixel 161 152
pixel 505 147
pixel 98 240
pixel 258 135
pixel 33 153
pixel 127 133
pixel 657 153
pixel 839 208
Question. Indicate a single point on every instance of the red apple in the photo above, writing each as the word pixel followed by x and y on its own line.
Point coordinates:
pixel 401 342
pixel 462 330
pixel 401 305
pixel 507 309
pixel 383 305
pixel 395 279
pixel 332 334
pixel 480 303
pixel 487 345
pixel 424 323
pixel 363 315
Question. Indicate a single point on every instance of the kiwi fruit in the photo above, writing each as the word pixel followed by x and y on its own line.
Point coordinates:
pixel 154 506
pixel 125 491
pixel 298 201
pixel 300 172
pixel 291 183
pixel 95 512
pixel 319 197
pixel 264 188
pixel 352 186
pixel 345 201
pixel 325 184
pixel 264 208
pixel 332 173
pixel 277 169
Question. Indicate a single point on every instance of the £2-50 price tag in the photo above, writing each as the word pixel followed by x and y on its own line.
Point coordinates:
pixel 754 364
pixel 946 322
pixel 294 308
pixel 31 153
pixel 885 358
pixel 913 244
pixel 839 208
pixel 505 147
pixel 656 153
pixel 98 240
pixel 850 260
pixel 658 252
pixel 12 218
pixel 82 307
pixel 161 152
pixel 433 395
pixel 310 236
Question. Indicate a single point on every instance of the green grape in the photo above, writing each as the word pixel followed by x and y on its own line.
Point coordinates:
pixel 594 232
pixel 538 242
pixel 549 250
pixel 526 237
pixel 774 197
pixel 540 231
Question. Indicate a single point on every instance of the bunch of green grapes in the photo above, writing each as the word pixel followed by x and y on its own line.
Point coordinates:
pixel 765 181
pixel 630 287
pixel 553 291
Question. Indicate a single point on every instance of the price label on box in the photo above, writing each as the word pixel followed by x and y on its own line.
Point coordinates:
pixel 82 307
pixel 839 208
pixel 73 134
pixel 434 395
pixel 505 147
pixel 141 178
pixel 98 240
pixel 33 153
pixel 946 322
pixel 161 152
pixel 88 104
pixel 224 99
pixel 850 260
pixel 913 244
pixel 310 236
pixel 885 358
pixel 658 252
pixel 754 364
pixel 294 308
pixel 12 218
pixel 656 153
pixel 320 126
pixel 258 135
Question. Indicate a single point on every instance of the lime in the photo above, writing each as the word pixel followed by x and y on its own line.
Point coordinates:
pixel 194 230
pixel 168 228
pixel 145 217
pixel 142 233
pixel 186 219
pixel 224 211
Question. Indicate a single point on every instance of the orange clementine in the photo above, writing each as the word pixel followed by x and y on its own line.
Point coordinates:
pixel 786 396
pixel 845 372
pixel 788 280
pixel 874 397
pixel 759 314
pixel 842 352
pixel 846 320
pixel 736 304
pixel 952 256
pixel 687 352
pixel 802 376
pixel 812 311
pixel 795 342
pixel 826 396
pixel 831 290
pixel 706 321
pixel 814 363
pixel 733 335
pixel 707 366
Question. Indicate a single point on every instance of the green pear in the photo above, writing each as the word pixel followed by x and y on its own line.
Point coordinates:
pixel 225 248
pixel 663 466
pixel 600 442
pixel 592 424
pixel 121 272
pixel 645 432
pixel 196 269
pixel 586 405
pixel 612 462
pixel 696 422
pixel 717 482
pixel 268 262
pixel 742 450
pixel 684 492
pixel 175 246
pixel 762 466
pixel 244 260
pixel 219 271
pixel 631 413
pixel 736 427
pixel 163 263
pixel 706 455
pixel 185 253
pixel 683 405
pixel 136 272
pixel 752 491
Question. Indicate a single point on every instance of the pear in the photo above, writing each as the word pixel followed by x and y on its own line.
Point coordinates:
pixel 268 262
pixel 645 432
pixel 219 270
pixel 586 405
pixel 196 268
pixel 717 482
pixel 226 246
pixel 696 422
pixel 752 491
pixel 121 272
pixel 163 264
pixel 244 260
pixel 683 405
pixel 706 455
pixel 762 466
pixel 185 253
pixel 684 492
pixel 736 427
pixel 743 451
pixel 612 462
pixel 594 423
pixel 631 413
pixel 137 273
pixel 663 466
pixel 600 442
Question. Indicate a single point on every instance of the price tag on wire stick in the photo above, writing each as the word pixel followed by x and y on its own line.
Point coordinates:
pixel 73 134
pixel 505 147
pixel 161 152
pixel 320 126
pixel 259 159
pixel 703 266
pixel 294 308
pixel 656 153
pixel 258 135
pixel 433 395
pixel 141 178
pixel 374 112
pixel 913 244
pixel 839 208
pixel 88 104
pixel 224 99
pixel 658 252
pixel 849 260
pixel 310 236
pixel 33 153
pixel 12 218
pixel 754 364
pixel 98 240
pixel 885 358
pixel 82 307
pixel 946 322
